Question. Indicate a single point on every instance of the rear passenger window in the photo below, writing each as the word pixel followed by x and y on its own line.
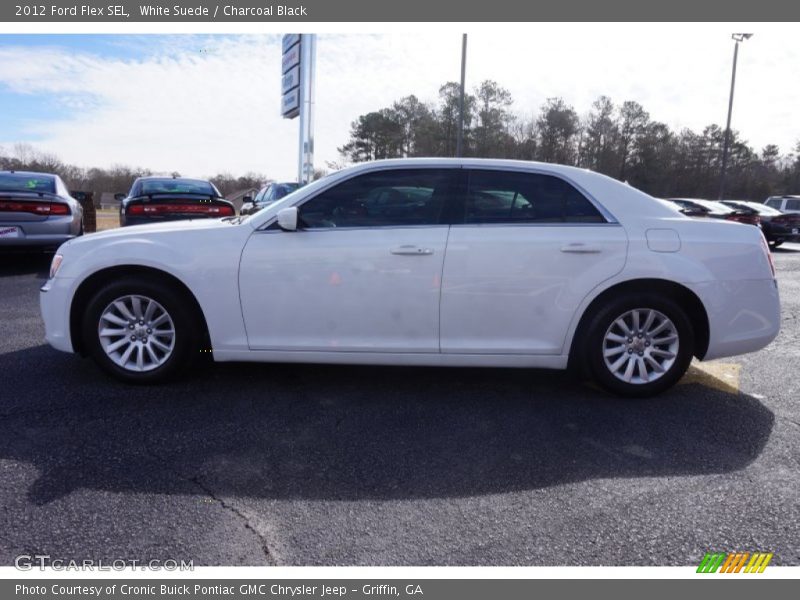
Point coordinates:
pixel 793 204
pixel 509 197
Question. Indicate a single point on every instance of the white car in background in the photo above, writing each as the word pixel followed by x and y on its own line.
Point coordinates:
pixel 445 262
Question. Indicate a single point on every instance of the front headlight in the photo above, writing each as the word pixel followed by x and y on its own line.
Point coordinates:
pixel 55 265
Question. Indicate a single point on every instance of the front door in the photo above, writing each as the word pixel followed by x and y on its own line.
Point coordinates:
pixel 362 273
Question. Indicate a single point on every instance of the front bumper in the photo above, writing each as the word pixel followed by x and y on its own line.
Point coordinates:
pixel 54 299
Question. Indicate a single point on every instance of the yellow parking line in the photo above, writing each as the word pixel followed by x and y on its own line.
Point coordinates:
pixel 717 375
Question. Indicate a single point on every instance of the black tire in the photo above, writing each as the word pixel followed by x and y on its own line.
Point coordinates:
pixel 187 336
pixel 594 345
pixel 776 243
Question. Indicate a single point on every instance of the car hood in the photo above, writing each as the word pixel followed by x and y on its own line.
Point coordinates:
pixel 155 228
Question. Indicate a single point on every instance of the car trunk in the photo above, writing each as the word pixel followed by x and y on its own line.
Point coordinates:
pixel 178 206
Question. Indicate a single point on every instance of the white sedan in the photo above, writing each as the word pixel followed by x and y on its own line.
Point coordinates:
pixel 464 263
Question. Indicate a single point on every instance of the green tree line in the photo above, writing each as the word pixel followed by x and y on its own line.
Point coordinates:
pixel 619 140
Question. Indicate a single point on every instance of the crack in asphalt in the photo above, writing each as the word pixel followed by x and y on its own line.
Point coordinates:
pixel 268 554
pixel 196 480
pixel 792 421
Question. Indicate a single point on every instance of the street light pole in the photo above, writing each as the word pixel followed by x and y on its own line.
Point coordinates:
pixel 460 138
pixel 737 37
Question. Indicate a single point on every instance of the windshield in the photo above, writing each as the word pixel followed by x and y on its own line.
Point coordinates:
pixel 284 189
pixel 176 186
pixel 27 182
pixel 715 207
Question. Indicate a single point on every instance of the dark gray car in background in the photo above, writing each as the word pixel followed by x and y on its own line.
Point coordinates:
pixel 36 210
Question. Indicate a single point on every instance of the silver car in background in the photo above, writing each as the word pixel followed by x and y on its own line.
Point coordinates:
pixel 36 210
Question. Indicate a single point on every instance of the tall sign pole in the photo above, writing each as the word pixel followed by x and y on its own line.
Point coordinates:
pixel 297 95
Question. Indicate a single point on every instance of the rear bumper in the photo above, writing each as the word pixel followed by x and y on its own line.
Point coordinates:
pixel 35 240
pixel 743 316
pixel 52 231
pixel 54 301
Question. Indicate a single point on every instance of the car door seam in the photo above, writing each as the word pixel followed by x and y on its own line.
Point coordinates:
pixel 441 286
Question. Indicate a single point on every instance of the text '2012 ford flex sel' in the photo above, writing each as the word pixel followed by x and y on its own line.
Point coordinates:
pixel 443 262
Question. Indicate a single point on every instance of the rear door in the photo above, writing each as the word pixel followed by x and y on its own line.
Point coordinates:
pixel 527 250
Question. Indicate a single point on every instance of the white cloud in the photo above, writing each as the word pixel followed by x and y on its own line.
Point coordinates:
pixel 205 108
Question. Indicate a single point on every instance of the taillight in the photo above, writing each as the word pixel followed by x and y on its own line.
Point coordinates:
pixel 59 209
pixel 765 247
pixel 747 219
pixel 216 210
pixel 35 208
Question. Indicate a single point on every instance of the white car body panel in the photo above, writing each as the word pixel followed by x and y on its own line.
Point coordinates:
pixel 343 289
pixel 526 281
pixel 264 294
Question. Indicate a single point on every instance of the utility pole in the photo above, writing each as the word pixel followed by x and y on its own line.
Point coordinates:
pixel 737 37
pixel 460 138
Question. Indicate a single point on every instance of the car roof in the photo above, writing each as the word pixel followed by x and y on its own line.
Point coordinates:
pixel 170 178
pixel 23 173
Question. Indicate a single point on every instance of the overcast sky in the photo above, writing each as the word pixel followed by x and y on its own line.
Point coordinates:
pixel 203 104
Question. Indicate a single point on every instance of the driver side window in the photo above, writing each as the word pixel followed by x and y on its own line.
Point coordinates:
pixel 382 199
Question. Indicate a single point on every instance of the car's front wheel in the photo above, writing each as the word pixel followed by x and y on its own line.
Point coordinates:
pixel 639 345
pixel 140 331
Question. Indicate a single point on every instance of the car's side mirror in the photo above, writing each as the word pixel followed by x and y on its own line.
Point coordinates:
pixel 119 197
pixel 247 199
pixel 287 218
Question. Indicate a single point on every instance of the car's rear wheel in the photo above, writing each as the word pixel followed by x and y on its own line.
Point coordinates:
pixel 140 331
pixel 639 345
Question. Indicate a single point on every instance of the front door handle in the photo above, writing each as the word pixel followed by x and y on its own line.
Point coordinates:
pixel 411 250
pixel 580 248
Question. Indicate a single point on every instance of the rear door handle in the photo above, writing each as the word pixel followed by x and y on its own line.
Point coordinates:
pixel 411 250
pixel 580 248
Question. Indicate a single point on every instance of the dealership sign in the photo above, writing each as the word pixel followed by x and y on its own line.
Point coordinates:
pixel 291 72
pixel 291 79
pixel 290 103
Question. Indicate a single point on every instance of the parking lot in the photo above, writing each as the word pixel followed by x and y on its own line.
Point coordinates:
pixel 306 464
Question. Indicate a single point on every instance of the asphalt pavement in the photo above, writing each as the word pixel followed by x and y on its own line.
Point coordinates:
pixel 248 464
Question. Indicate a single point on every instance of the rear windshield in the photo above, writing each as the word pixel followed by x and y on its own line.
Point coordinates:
pixel 717 208
pixel 763 209
pixel 176 186
pixel 27 182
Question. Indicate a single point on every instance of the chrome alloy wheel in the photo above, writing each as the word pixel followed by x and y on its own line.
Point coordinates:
pixel 640 346
pixel 136 333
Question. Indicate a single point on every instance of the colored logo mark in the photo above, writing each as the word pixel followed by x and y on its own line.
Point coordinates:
pixel 734 562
